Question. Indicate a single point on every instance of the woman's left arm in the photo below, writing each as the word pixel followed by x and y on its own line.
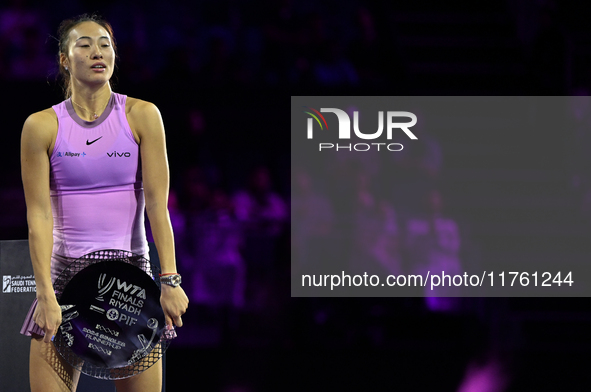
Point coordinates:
pixel 146 123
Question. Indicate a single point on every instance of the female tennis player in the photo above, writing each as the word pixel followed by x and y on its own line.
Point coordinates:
pixel 91 165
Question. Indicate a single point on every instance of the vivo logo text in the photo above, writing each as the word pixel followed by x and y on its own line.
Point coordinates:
pixel 116 154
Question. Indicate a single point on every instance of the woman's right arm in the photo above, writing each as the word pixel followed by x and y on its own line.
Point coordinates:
pixel 36 140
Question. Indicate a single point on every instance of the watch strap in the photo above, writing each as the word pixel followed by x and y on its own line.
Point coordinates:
pixel 172 279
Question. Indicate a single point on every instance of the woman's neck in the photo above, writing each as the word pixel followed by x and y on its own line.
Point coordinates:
pixel 90 103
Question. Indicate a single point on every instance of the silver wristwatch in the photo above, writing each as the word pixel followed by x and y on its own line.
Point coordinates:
pixel 171 280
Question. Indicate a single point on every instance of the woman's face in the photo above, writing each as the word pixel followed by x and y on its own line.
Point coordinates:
pixel 90 57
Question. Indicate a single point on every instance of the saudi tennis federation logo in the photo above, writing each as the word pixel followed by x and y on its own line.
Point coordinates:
pixel 18 284
pixel 6 284
pixel 344 129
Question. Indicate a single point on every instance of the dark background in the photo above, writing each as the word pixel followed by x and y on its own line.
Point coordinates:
pixel 222 74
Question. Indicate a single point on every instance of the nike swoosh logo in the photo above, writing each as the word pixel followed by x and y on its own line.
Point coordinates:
pixel 89 143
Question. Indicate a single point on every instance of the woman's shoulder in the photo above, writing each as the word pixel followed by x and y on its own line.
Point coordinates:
pixel 43 115
pixel 135 106
pixel 142 116
pixel 40 128
pixel 44 120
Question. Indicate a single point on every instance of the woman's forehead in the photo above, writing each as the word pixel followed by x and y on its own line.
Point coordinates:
pixel 88 29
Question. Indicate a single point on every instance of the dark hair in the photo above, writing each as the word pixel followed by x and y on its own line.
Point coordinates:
pixel 63 33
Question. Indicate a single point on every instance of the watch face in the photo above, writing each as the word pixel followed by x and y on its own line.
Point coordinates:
pixel 176 280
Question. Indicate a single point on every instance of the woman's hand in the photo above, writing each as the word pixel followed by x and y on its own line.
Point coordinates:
pixel 48 316
pixel 174 302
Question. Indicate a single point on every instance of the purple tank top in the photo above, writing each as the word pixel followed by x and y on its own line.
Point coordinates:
pixel 96 188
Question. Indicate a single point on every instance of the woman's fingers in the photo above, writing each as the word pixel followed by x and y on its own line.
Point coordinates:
pixel 48 317
pixel 174 303
pixel 178 321
pixel 49 334
pixel 168 321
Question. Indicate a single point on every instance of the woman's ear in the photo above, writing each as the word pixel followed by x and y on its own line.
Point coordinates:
pixel 64 61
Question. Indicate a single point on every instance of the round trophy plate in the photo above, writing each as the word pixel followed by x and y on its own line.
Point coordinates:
pixel 113 326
